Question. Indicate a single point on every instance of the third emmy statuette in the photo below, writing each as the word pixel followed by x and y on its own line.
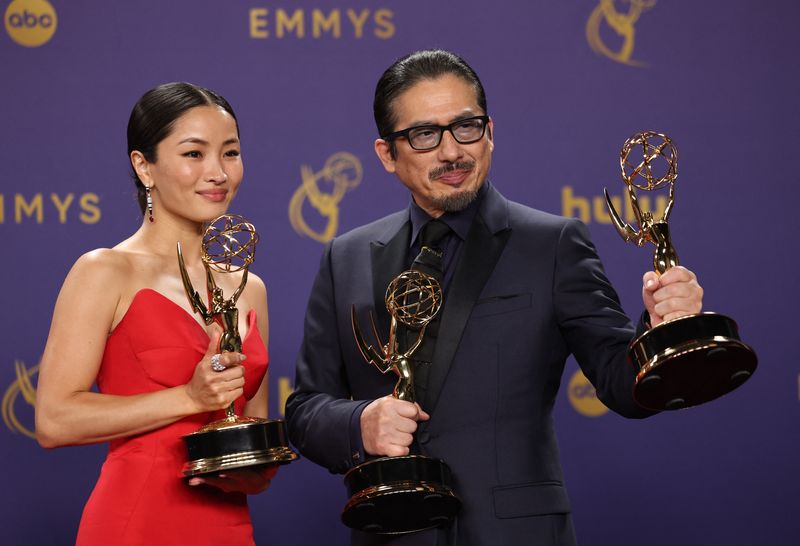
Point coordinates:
pixel 693 359
pixel 396 495
pixel 229 245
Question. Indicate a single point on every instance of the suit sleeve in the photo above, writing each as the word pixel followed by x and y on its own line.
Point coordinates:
pixel 592 321
pixel 320 412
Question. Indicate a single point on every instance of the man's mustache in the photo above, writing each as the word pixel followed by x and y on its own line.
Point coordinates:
pixel 450 167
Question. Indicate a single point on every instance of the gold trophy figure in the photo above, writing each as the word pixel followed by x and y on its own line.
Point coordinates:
pixel 395 495
pixel 413 299
pixel 229 245
pixel 693 359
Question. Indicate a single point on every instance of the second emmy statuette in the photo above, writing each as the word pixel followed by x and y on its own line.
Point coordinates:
pixel 396 495
pixel 693 359
pixel 229 245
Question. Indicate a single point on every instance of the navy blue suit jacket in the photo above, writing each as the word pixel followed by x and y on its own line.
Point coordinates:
pixel 528 290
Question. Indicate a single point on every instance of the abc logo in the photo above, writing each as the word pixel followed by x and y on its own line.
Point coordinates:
pixel 582 396
pixel 30 23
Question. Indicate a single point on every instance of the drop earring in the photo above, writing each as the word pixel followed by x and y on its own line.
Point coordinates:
pixel 149 202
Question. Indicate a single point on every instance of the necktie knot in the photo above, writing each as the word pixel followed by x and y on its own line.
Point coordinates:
pixel 433 233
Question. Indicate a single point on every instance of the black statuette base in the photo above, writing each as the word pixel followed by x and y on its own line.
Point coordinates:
pixel 252 443
pixel 689 361
pixel 396 495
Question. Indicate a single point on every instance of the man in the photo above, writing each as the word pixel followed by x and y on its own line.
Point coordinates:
pixel 522 290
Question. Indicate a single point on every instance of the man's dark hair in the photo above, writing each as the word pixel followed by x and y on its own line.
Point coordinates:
pixel 155 114
pixel 407 71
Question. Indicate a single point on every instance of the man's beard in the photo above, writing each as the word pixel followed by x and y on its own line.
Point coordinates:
pixel 455 202
pixel 458 201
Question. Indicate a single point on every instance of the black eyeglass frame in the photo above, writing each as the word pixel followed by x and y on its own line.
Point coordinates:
pixel 441 128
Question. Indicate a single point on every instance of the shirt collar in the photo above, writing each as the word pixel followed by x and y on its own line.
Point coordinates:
pixel 459 222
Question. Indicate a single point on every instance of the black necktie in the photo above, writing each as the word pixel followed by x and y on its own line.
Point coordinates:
pixel 430 261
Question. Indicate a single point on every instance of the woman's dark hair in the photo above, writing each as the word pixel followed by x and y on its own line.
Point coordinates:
pixel 405 72
pixel 154 115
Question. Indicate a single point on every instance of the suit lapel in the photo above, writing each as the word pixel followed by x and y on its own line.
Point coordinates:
pixel 482 250
pixel 388 260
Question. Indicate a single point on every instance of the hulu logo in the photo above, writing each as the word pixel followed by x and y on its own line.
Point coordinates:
pixel 593 209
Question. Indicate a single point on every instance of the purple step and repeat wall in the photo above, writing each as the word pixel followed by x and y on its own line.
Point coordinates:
pixel 567 83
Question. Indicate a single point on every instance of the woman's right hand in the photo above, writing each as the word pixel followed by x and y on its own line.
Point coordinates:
pixel 210 390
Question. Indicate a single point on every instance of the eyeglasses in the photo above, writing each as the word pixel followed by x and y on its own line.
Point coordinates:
pixel 428 137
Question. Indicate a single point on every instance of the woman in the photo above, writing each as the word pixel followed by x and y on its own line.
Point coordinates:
pixel 124 322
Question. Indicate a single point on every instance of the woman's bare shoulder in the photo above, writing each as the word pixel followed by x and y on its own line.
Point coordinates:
pixel 103 264
pixel 107 272
pixel 255 283
pixel 255 294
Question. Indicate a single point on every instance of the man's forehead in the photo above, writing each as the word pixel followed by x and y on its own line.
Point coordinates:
pixel 444 99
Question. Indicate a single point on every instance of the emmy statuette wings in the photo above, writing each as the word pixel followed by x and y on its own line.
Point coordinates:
pixel 413 300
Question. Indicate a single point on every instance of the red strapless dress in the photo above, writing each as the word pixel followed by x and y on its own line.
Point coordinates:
pixel 140 497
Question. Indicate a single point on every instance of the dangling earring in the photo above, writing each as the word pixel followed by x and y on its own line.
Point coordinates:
pixel 149 202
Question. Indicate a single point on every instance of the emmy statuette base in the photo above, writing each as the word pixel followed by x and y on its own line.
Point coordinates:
pixel 396 495
pixel 689 361
pixel 236 443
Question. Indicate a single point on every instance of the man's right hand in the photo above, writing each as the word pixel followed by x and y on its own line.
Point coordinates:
pixel 388 426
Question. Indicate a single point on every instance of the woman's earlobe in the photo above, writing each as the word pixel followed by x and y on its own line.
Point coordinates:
pixel 140 167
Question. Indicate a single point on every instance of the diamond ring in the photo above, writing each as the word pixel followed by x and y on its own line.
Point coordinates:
pixel 215 363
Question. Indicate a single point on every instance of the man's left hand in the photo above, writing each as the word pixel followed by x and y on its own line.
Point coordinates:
pixel 674 294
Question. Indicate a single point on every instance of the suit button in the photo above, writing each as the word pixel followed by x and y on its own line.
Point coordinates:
pixel 424 437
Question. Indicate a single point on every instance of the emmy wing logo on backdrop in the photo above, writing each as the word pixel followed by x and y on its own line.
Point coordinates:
pixel 605 15
pixel 30 23
pixel 23 385
pixel 324 190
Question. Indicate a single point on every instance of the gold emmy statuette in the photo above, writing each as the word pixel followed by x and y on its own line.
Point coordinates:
pixel 693 359
pixel 395 495
pixel 229 245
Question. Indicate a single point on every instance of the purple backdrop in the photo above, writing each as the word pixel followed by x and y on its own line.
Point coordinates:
pixel 565 89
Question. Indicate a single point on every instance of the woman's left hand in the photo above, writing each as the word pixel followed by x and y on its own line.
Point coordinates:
pixel 240 480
